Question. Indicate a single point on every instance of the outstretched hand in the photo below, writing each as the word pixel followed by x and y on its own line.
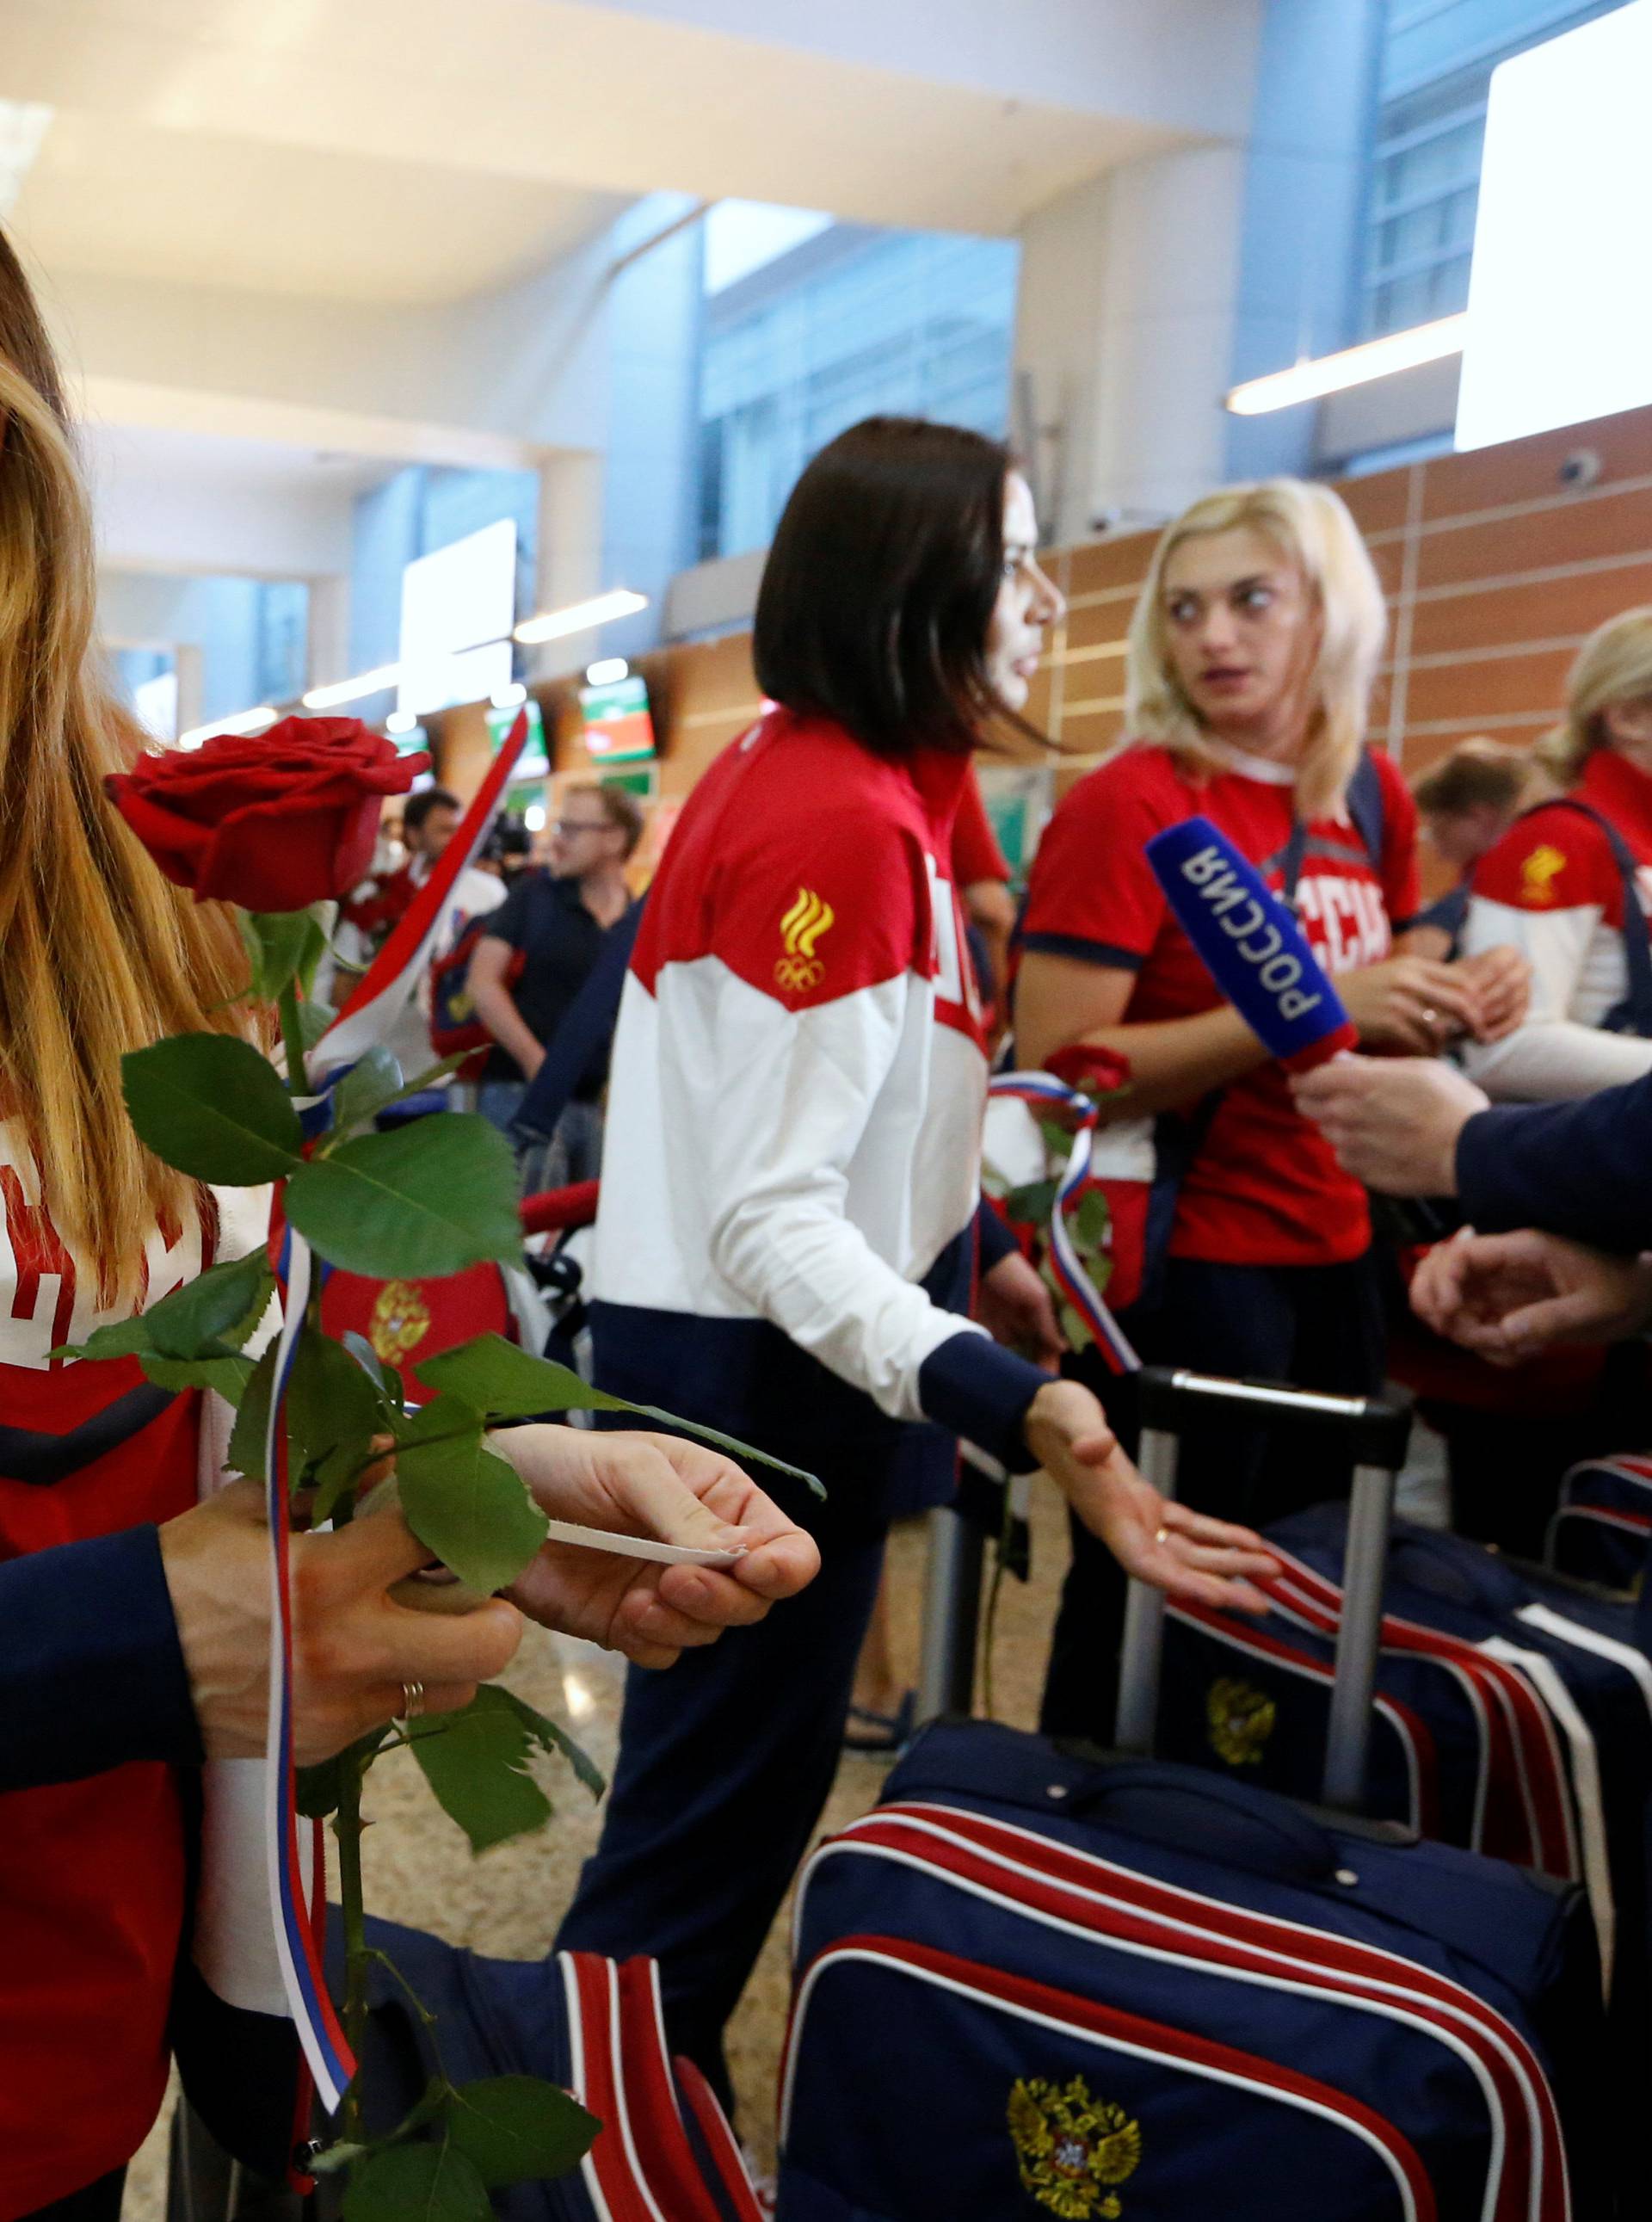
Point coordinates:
pixel 1186 1553
pixel 677 1491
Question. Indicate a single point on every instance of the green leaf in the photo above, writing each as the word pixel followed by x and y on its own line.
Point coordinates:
pixel 418 2183
pixel 508 1382
pixel 208 1317
pixel 462 1499
pixel 211 1307
pixel 476 1762
pixel 323 917
pixel 333 1412
pixel 515 2128
pixel 277 943
pixel 314 1019
pixel 223 1369
pixel 384 1378
pixel 1033 1204
pixel 246 1451
pixel 550 1737
pixel 372 1081
pixel 428 1200
pixel 1092 1218
pixel 212 1107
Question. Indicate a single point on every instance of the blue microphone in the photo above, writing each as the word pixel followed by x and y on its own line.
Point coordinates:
pixel 1251 944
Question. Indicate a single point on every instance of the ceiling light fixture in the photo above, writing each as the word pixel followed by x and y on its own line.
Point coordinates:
pixel 580 616
pixel 1354 365
pixel 402 721
pixel 507 698
pixel 352 690
pixel 607 671
pixel 244 721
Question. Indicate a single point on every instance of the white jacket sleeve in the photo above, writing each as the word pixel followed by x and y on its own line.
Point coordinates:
pixel 1576 965
pixel 786 1147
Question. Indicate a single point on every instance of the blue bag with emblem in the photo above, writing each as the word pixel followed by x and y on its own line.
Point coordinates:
pixel 1041 1980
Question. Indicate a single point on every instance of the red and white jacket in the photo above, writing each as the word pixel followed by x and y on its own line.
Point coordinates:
pixel 792 1163
pixel 1552 888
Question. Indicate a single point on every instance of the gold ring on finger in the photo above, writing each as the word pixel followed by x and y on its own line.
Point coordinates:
pixel 1162 1535
pixel 412 1701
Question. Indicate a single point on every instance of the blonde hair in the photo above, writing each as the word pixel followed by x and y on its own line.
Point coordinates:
pixel 102 955
pixel 1613 665
pixel 1310 526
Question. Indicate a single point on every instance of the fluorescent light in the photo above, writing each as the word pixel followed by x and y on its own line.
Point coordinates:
pixel 580 616
pixel 507 698
pixel 1354 365
pixel 534 818
pixel 352 690
pixel 606 671
pixel 401 721
pixel 244 721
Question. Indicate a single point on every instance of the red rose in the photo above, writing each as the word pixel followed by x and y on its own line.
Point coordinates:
pixel 1087 1064
pixel 277 821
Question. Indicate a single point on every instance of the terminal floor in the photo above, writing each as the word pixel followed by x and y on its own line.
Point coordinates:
pixel 508 1902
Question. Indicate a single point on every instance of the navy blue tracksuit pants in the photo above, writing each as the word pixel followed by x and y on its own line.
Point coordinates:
pixel 725 1762
pixel 1315 1326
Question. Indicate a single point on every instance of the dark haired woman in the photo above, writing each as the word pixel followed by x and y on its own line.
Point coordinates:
pixel 786 1243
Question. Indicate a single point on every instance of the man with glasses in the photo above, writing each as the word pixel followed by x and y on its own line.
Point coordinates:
pixel 555 919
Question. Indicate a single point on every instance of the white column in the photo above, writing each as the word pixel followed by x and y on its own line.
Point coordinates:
pixel 327 649
pixel 569 552
pixel 1129 293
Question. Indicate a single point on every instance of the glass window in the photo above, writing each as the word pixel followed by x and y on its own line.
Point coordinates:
pixel 831 326
pixel 1438 59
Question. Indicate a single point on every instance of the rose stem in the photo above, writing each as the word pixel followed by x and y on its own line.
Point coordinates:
pixel 292 1037
pixel 346 1827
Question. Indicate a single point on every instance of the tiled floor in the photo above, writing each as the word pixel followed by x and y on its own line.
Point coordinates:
pixel 508 1902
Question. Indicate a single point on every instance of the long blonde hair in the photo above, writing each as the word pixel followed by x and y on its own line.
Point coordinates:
pixel 102 955
pixel 1613 665
pixel 1310 526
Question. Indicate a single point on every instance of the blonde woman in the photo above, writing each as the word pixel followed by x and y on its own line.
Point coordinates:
pixel 133 1639
pixel 1570 885
pixel 1251 660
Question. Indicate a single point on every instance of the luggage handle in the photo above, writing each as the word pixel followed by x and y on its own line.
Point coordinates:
pixel 1377 1431
pixel 1276 1839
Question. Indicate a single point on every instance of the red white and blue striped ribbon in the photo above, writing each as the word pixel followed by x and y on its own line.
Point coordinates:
pixel 367 1016
pixel 1043 1091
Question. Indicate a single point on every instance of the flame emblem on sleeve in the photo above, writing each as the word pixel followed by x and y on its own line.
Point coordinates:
pixel 1538 873
pixel 802 926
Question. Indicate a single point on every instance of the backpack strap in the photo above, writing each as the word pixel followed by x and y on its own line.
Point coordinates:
pixel 1634 1014
pixel 1365 807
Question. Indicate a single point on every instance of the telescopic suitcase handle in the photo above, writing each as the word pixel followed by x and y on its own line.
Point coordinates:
pixel 1376 1431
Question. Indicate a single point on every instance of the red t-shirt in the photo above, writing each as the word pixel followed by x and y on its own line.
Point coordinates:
pixel 1264 1187
pixel 1553 859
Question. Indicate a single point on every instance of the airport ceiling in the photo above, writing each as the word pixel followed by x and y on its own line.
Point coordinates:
pixel 421 151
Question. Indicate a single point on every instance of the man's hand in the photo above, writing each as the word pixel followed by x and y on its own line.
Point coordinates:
pixel 1016 1308
pixel 1510 1297
pixel 658 1485
pixel 1393 1122
pixel 1183 1553
pixel 354 1647
pixel 1501 980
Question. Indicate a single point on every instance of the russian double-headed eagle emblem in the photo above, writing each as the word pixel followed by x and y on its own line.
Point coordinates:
pixel 401 1320
pixel 1240 1720
pixel 811 916
pixel 1072 2148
